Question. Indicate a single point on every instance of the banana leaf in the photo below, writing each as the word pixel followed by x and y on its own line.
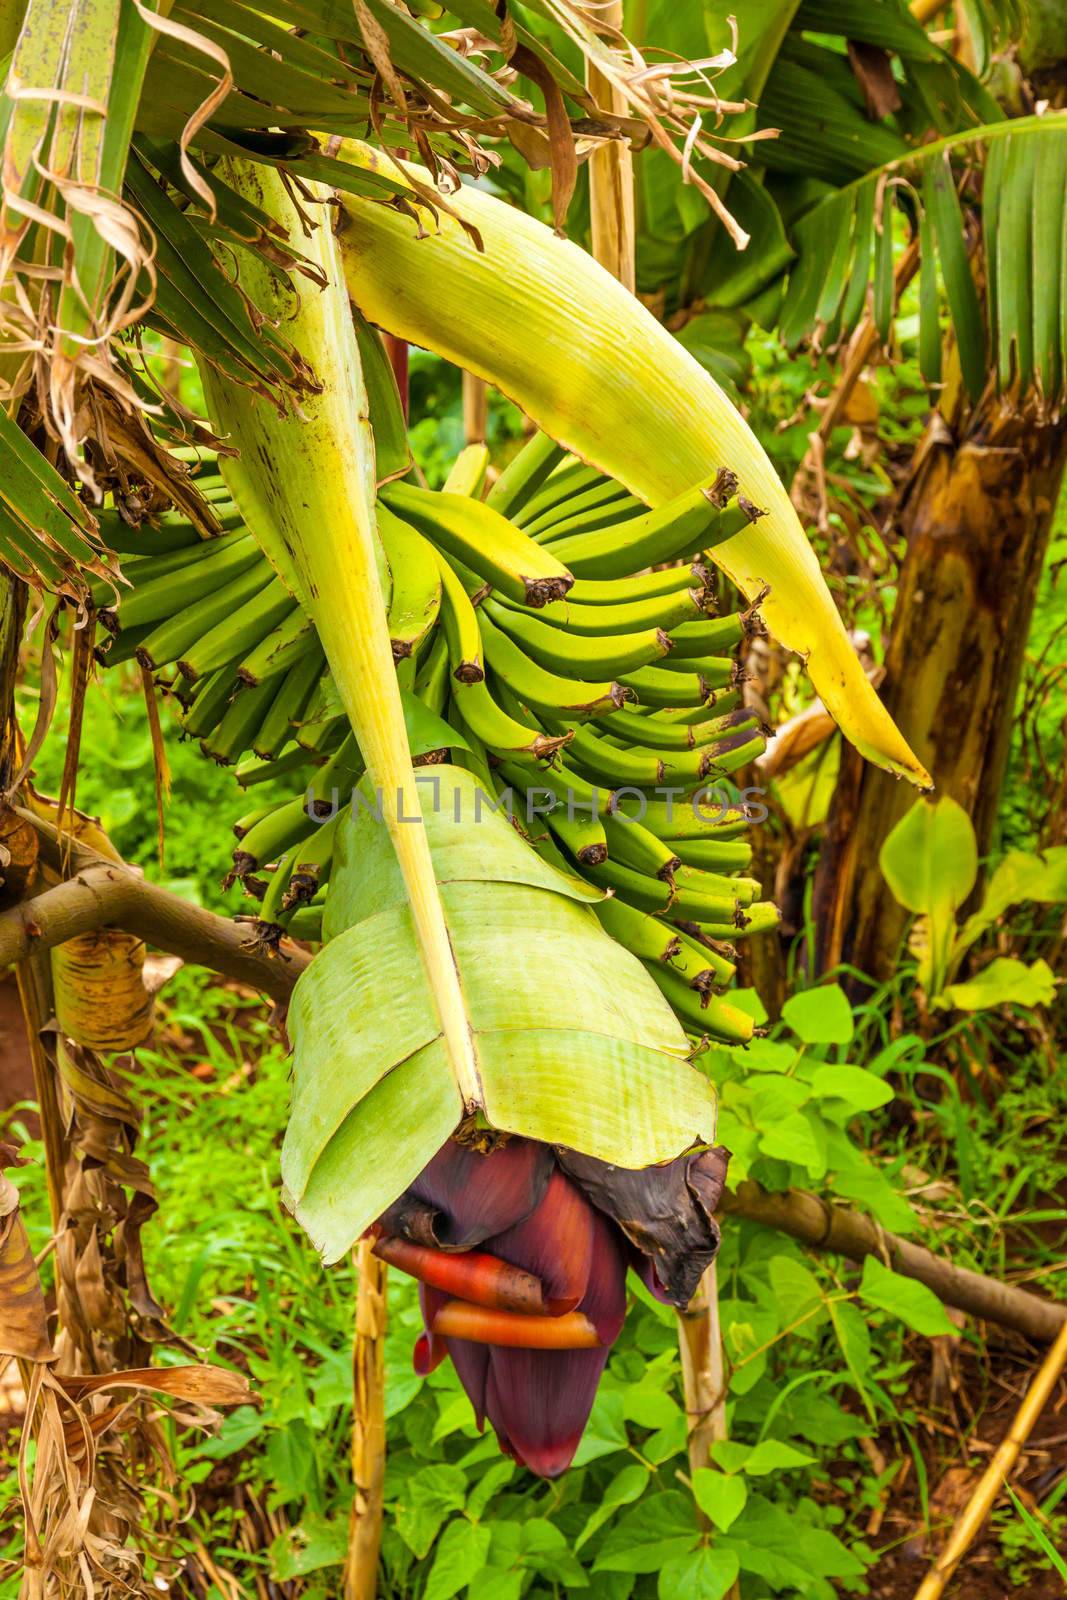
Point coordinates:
pixel 573 1041
pixel 598 373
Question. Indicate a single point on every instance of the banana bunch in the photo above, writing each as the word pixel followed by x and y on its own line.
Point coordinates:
pixel 557 634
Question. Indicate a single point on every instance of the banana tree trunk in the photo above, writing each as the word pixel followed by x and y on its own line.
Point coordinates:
pixel 368 1428
pixel 976 515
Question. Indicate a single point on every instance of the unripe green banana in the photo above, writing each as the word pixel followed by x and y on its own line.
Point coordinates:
pixel 202 573
pixel 523 476
pixel 635 765
pixel 172 638
pixel 633 845
pixel 717 704
pixel 125 540
pixel 462 633
pixel 311 868
pixel 416 596
pixel 647 893
pixel 714 854
pixel 235 635
pixel 568 478
pixel 705 1015
pixel 641 586
pixel 239 725
pixel 704 951
pixel 467 473
pixel 205 713
pixel 289 704
pixel 643 935
pixel 662 690
pixel 284 826
pixel 579 656
pixel 248 820
pixel 251 771
pixel 484 541
pixel 707 636
pixel 650 731
pixel 692 521
pixel 306 923
pixel 283 648
pixel 595 499
pixel 501 733
pixel 544 692
pixel 431 679
pixel 665 611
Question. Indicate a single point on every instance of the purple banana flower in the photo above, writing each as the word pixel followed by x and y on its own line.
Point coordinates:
pixel 522 1254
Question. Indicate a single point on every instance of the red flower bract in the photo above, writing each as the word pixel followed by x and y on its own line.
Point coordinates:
pixel 518 1205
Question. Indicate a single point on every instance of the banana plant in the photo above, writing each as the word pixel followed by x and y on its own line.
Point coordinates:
pixel 931 865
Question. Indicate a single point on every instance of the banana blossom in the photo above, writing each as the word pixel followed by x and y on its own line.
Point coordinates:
pixel 521 1256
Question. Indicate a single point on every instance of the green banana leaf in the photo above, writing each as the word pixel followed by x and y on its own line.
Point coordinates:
pixel 573 1042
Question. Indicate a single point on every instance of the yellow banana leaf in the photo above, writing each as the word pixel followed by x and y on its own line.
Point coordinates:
pixel 537 317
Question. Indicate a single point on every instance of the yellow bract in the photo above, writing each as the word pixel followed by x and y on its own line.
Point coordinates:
pixel 537 317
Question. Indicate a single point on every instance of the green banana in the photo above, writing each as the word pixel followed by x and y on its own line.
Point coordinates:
pixel 282 648
pixel 543 691
pixel 311 868
pixel 632 844
pixel 215 563
pixel 125 540
pixel 579 655
pixel 640 586
pixel 251 771
pixel 709 635
pixel 564 786
pixel 718 703
pixel 581 834
pixel 248 820
pixel 483 540
pixel 171 639
pixel 306 923
pixel 467 473
pixel 687 817
pixel 642 934
pixel 209 707
pixel 654 894
pixel 760 917
pixel 416 597
pixel 145 569
pixel 598 496
pixel 331 786
pixel 234 635
pixel 320 735
pixel 524 474
pixel 714 855
pixel 239 725
pixel 661 690
pixel 461 630
pixel 717 672
pixel 636 766
pixel 702 1015
pixel 703 950
pixel 500 732
pixel 274 834
pixel 289 704
pixel 570 477
pixel 632 728
pixel 691 521
pixel 431 678
pixel 658 611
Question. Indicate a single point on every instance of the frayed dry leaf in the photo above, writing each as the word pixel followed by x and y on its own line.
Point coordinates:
pixel 200 1383
pixel 23 1318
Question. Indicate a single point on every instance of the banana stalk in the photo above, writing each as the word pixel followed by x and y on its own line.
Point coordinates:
pixel 598 373
pixel 319 522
